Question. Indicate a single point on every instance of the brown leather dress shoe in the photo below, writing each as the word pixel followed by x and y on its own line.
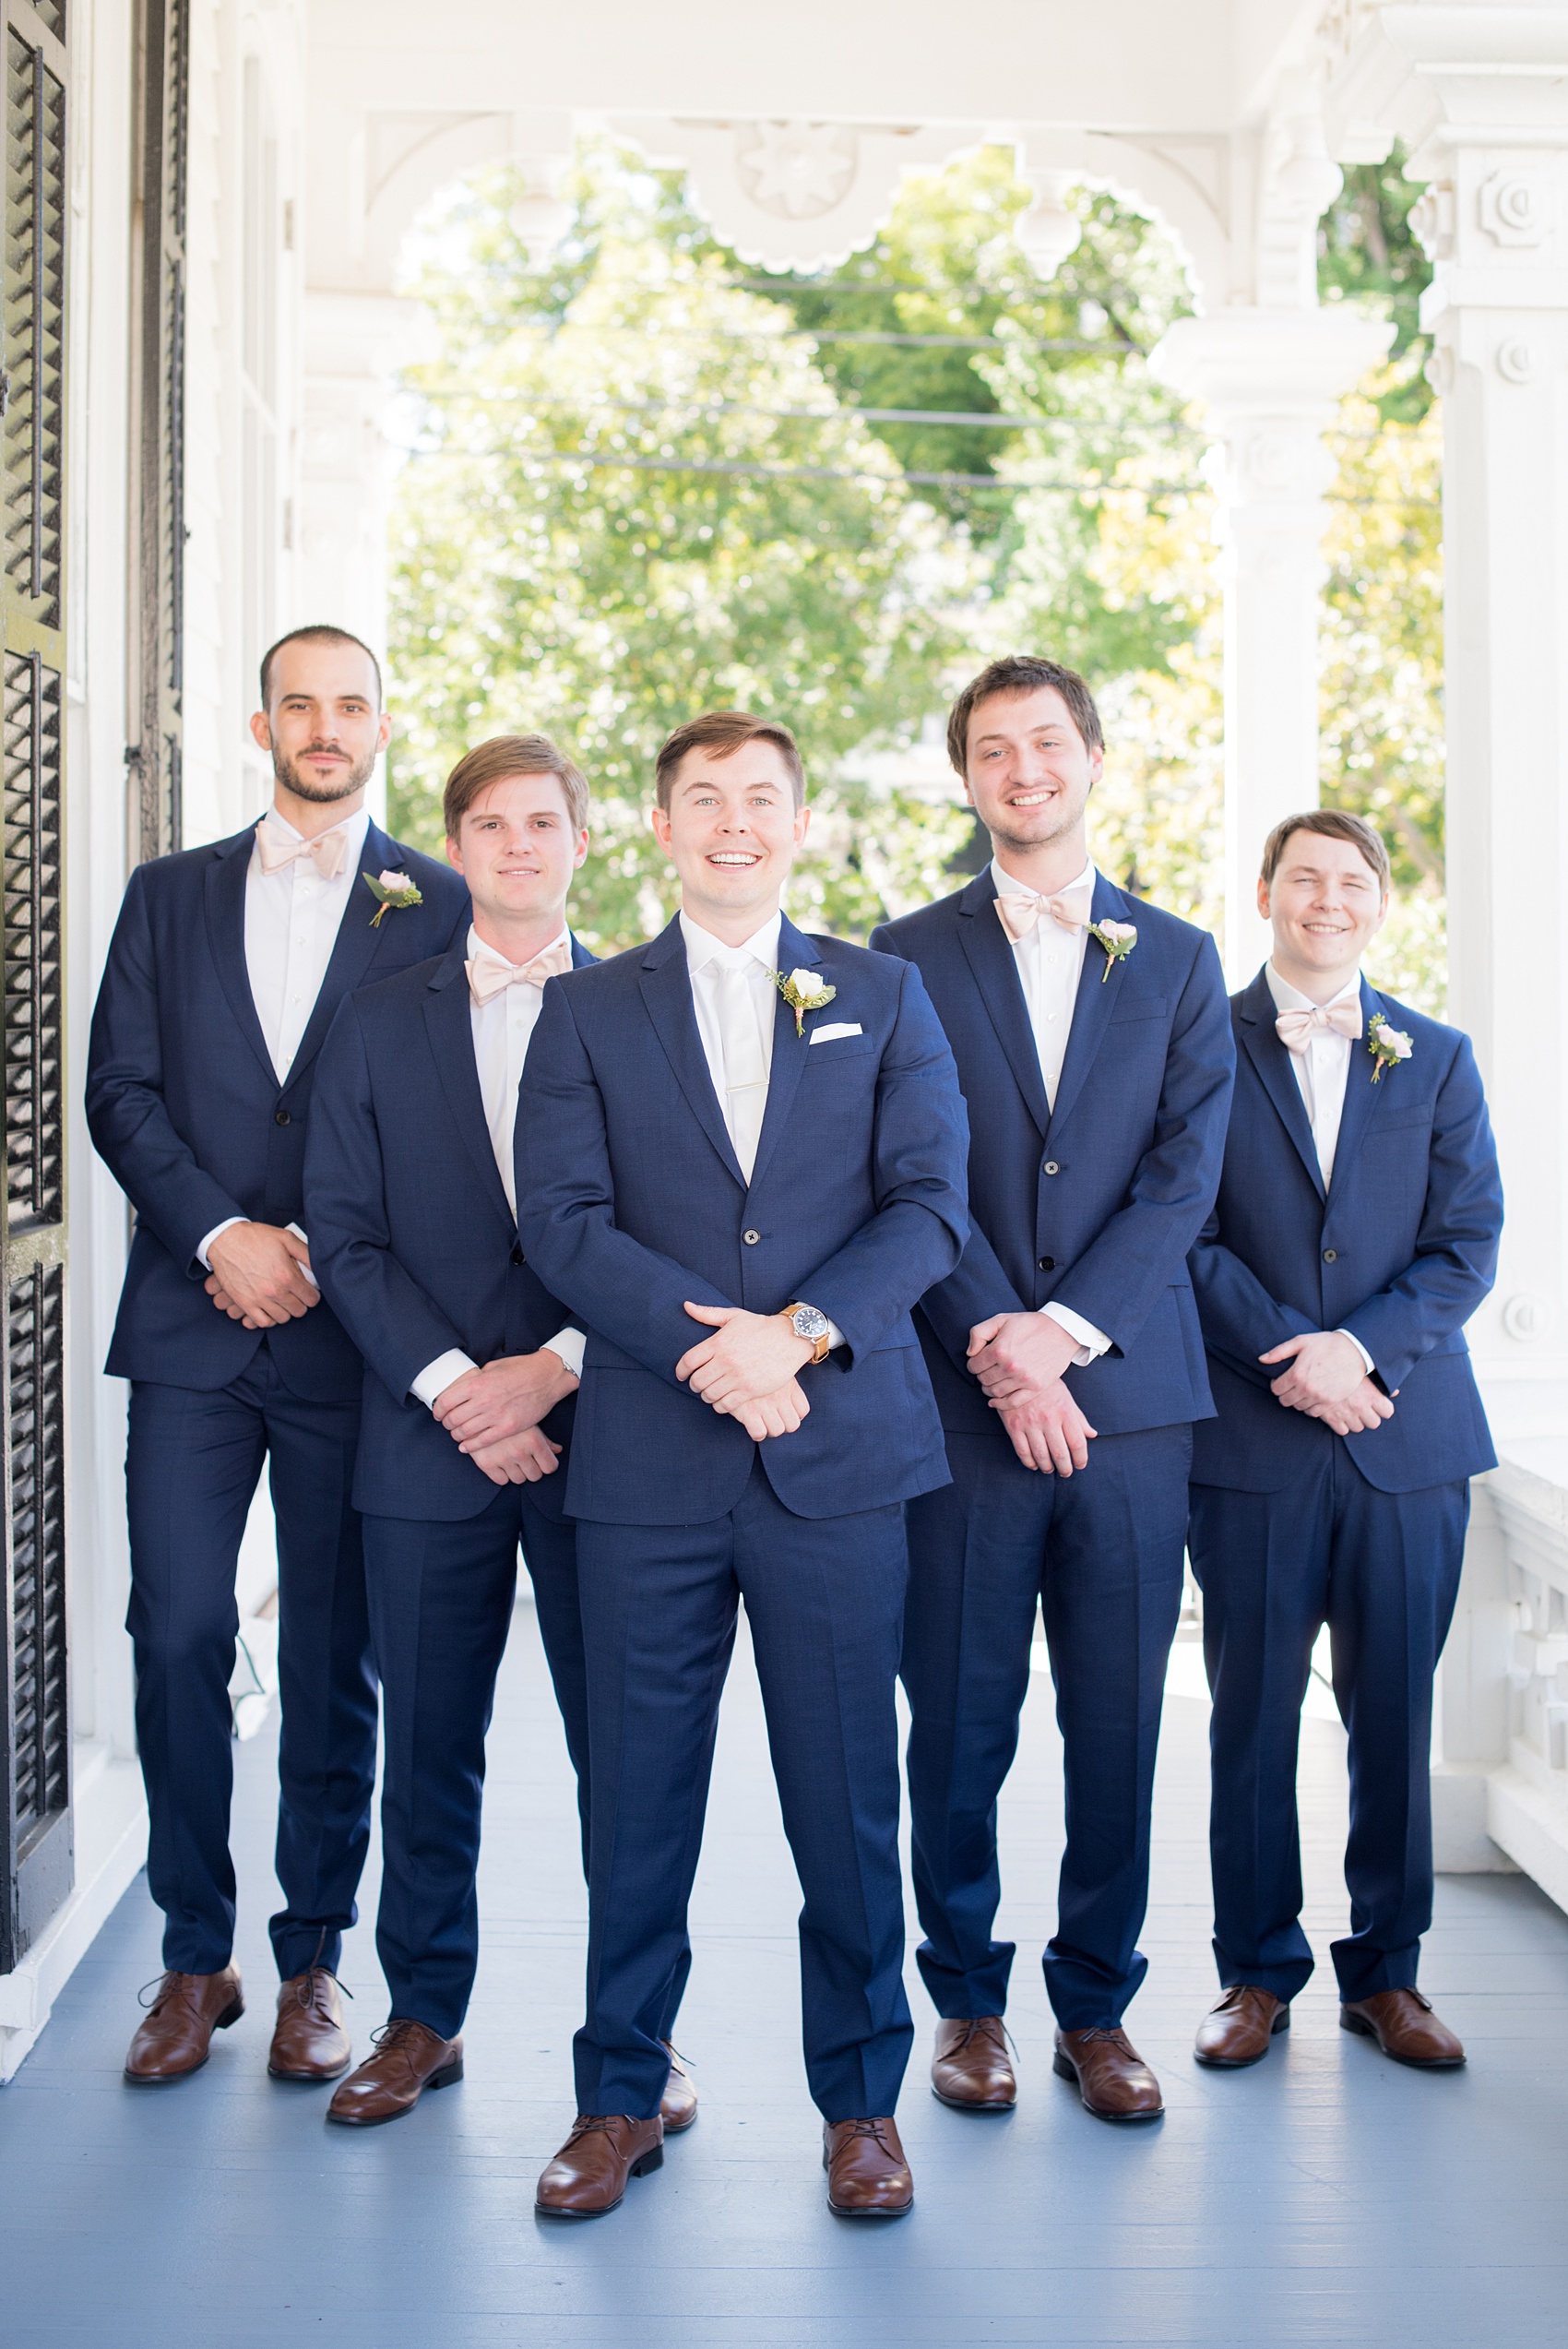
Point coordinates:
pixel 310 2039
pixel 588 2176
pixel 678 2105
pixel 175 2038
pixel 1404 2027
pixel 971 2069
pixel 1113 2078
pixel 409 2058
pixel 867 2175
pixel 1237 2029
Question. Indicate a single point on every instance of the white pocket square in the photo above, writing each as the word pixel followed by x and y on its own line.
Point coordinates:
pixel 838 1027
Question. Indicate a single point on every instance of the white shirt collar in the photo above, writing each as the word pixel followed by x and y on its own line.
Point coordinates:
pixel 480 952
pixel 353 827
pixel 1006 886
pixel 1289 999
pixel 703 948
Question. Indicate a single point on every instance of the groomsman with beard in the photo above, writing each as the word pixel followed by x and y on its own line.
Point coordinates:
pixel 1095 1056
pixel 226 967
pixel 471 1371
pixel 1355 1233
pixel 740 1153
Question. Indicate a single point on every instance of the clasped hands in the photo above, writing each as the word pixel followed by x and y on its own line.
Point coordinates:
pixel 746 1371
pixel 1019 1359
pixel 1328 1380
pixel 492 1414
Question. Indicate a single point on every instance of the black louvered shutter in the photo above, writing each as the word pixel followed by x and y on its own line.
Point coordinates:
pixel 158 647
pixel 36 1858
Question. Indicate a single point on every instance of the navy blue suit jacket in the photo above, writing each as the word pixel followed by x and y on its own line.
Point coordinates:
pixel 410 1235
pixel 630 1201
pixel 185 1109
pixel 1401 1249
pixel 1095 1204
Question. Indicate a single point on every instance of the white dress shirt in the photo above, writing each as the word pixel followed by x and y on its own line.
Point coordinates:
pixel 1050 962
pixel 710 963
pixel 293 918
pixel 502 1029
pixel 1322 1073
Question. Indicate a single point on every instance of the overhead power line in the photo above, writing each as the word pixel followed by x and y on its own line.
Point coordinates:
pixel 963 419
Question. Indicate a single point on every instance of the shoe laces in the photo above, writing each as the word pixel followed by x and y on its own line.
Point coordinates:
pixel 591 2124
pixel 866 2129
pixel 164 1986
pixel 981 2026
pixel 306 1986
pixel 1111 2033
pixel 393 2035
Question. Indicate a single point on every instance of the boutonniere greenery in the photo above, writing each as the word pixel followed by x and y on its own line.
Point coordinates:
pixel 1118 938
pixel 803 991
pixel 1388 1046
pixel 392 891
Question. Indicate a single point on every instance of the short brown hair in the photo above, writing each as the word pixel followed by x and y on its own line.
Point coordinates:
pixel 496 761
pixel 1022 673
pixel 724 731
pixel 1330 824
pixel 318 632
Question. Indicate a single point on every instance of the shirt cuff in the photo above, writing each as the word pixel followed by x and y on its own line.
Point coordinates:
pixel 305 1268
pixel 1091 1342
pixel 835 1336
pixel 568 1343
pixel 437 1376
pixel 1367 1363
pixel 227 1225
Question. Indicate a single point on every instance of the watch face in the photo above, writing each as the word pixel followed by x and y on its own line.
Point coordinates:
pixel 808 1322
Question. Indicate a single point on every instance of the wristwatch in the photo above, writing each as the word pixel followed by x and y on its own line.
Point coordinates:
pixel 806 1322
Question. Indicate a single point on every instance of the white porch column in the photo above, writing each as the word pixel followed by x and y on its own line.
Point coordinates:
pixel 1269 379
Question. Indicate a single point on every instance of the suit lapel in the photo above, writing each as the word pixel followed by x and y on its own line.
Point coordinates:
pixel 789 1049
pixel 451 1035
pixel 667 993
pixel 1100 985
pixel 225 911
pixel 1361 1094
pixel 995 968
pixel 1273 1064
pixel 353 950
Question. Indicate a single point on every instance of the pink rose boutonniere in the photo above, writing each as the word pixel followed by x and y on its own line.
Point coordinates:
pixel 392 891
pixel 1388 1046
pixel 1118 938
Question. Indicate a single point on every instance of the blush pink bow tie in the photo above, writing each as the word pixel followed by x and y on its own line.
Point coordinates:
pixel 327 853
pixel 1071 907
pixel 487 980
pixel 1296 1029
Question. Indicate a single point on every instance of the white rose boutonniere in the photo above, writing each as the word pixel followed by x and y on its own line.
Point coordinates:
pixel 392 891
pixel 1388 1046
pixel 803 991
pixel 1118 938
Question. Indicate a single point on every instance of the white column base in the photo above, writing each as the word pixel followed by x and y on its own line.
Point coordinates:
pixel 110 1834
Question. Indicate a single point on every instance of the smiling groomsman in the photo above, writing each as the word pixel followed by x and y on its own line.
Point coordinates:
pixel 1095 1056
pixel 225 968
pixel 1355 1233
pixel 740 1154
pixel 472 1369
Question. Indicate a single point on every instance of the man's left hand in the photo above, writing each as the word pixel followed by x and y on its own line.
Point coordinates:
pixel 1325 1367
pixel 485 1407
pixel 749 1355
pixel 1018 1356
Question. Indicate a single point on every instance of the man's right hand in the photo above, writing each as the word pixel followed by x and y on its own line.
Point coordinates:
pixel 257 1277
pixel 779 1413
pixel 1365 1407
pixel 1048 1430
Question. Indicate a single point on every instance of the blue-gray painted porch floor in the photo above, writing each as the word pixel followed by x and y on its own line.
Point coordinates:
pixel 1327 2196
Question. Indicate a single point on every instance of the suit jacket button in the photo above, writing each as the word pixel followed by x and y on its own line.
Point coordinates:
pixel 1331 1255
pixel 281 1117
pixel 518 1256
pixel 1051 1167
pixel 1047 1263
pixel 751 1238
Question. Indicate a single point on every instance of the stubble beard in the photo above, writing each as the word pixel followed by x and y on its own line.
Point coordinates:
pixel 323 794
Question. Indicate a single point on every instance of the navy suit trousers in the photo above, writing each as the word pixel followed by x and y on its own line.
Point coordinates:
pixel 825 1598
pixel 441 1599
pixel 1100 1553
pixel 1381 1569
pixel 192 1462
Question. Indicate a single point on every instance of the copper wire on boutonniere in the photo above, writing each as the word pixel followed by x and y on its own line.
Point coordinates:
pixel 1388 1046
pixel 803 991
pixel 1118 938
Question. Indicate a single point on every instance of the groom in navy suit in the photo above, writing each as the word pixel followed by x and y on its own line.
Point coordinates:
pixel 1095 1056
pixel 226 967
pixel 470 1369
pixel 1355 1233
pixel 740 1159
